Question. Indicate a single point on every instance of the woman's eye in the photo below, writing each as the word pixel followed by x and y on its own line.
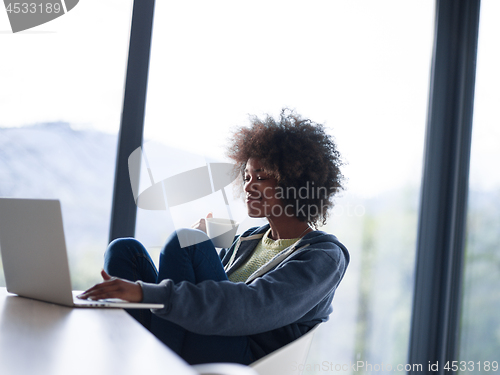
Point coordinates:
pixel 258 178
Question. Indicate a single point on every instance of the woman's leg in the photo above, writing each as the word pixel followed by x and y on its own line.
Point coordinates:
pixel 195 263
pixel 208 349
pixel 128 259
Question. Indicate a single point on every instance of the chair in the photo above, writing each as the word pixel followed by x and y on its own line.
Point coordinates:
pixel 288 360
pixel 224 369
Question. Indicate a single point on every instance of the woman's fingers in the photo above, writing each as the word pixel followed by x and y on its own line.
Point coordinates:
pixel 201 224
pixel 114 288
pixel 98 290
pixel 105 275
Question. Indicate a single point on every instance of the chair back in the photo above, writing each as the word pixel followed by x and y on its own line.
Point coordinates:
pixel 288 360
pixel 223 369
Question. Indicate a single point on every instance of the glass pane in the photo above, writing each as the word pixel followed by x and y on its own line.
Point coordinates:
pixel 480 320
pixel 60 99
pixel 359 67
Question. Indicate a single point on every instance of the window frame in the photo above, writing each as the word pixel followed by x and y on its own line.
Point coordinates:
pixel 443 204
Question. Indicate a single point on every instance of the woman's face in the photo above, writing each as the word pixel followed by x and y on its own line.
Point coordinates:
pixel 260 189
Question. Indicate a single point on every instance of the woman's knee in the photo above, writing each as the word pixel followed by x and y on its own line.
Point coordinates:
pixel 127 258
pixel 183 238
pixel 122 247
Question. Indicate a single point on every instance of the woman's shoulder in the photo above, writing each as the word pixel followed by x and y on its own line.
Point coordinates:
pixel 325 242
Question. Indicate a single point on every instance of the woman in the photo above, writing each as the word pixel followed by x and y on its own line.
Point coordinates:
pixel 274 283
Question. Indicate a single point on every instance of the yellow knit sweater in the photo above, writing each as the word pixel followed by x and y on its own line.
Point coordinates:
pixel 265 250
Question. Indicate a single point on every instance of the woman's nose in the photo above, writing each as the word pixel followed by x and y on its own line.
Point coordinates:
pixel 249 186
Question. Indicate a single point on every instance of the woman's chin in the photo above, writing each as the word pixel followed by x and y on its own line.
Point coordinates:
pixel 254 216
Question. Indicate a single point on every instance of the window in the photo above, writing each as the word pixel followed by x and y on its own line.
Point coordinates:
pixel 61 100
pixel 480 323
pixel 362 69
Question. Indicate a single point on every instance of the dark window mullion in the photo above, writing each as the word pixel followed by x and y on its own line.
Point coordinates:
pixel 442 217
pixel 124 210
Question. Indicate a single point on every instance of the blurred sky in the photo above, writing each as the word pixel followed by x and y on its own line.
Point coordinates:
pixel 361 67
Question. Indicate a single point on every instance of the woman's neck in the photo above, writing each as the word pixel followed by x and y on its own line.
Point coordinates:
pixel 288 227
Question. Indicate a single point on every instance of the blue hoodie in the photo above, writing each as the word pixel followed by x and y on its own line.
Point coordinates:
pixel 277 304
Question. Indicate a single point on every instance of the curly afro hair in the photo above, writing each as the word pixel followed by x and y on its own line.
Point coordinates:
pixel 299 154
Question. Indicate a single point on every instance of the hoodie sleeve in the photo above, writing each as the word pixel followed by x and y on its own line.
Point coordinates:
pixel 280 297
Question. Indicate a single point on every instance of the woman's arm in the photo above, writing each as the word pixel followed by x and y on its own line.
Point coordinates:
pixel 274 300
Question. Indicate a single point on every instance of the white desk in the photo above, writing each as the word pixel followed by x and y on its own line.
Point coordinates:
pixel 38 338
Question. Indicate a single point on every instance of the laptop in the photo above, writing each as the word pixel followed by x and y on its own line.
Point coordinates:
pixel 34 256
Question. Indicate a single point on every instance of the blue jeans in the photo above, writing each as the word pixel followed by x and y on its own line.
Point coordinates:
pixel 128 259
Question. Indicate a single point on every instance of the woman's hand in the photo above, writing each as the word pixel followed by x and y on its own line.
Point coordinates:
pixel 114 287
pixel 201 224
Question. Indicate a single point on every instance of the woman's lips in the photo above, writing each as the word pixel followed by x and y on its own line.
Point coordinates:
pixel 250 199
